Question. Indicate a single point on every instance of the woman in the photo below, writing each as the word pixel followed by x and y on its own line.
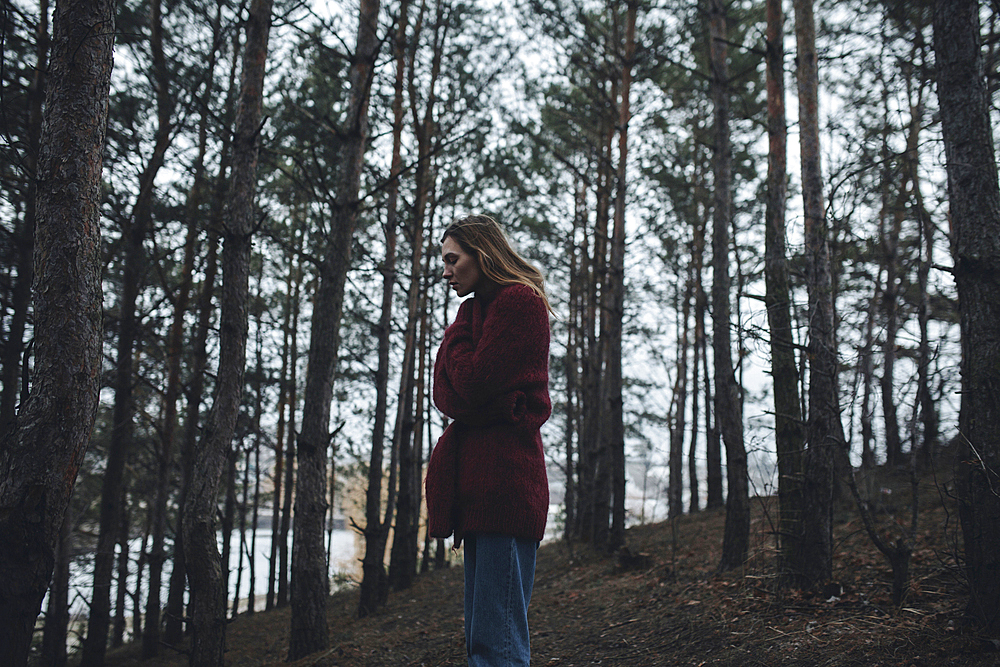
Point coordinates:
pixel 486 480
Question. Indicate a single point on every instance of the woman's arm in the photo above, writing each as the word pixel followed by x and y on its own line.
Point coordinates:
pixel 512 350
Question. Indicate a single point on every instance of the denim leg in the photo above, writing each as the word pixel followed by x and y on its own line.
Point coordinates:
pixel 499 575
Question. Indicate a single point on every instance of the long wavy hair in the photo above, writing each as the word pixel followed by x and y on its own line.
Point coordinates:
pixel 482 237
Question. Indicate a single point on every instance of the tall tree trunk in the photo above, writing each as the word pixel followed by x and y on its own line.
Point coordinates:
pixel 258 385
pixel 310 587
pixel 286 505
pixel 728 405
pixel 928 410
pixel 40 457
pixel 813 561
pixel 228 515
pixel 401 570
pixel 23 236
pixel 583 525
pixel 164 454
pixel 675 494
pixel 279 440
pixel 713 443
pixel 173 627
pixel 694 502
pixel 242 543
pixel 616 291
pixel 208 603
pixel 600 457
pixel 889 241
pixel 134 232
pixel 789 434
pixel 289 482
pixel 572 362
pixel 974 199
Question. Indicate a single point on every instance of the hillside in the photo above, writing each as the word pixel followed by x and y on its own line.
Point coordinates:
pixel 667 606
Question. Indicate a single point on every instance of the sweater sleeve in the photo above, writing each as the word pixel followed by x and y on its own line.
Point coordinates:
pixel 509 407
pixel 511 353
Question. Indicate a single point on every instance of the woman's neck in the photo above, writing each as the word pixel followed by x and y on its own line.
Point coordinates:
pixel 486 291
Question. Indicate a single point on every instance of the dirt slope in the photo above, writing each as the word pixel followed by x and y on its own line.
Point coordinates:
pixel 666 605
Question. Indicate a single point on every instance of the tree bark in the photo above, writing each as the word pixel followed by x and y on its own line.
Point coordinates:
pixel 675 495
pixel 374 584
pixel 813 561
pixel 572 361
pixel 173 628
pixel 789 433
pixel 616 293
pixel 600 454
pixel 310 586
pixel 974 199
pixel 40 457
pixel 157 554
pixel 208 603
pixel 401 561
pixel 728 406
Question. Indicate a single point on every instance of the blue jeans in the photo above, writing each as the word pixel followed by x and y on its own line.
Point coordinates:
pixel 499 575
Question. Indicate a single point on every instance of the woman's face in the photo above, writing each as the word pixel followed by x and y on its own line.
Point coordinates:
pixel 461 269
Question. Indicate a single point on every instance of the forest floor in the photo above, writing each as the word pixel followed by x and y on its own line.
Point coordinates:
pixel 667 604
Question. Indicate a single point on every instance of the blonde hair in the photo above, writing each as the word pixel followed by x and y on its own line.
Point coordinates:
pixel 482 237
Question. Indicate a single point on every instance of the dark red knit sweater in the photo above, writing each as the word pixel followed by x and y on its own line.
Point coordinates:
pixel 487 472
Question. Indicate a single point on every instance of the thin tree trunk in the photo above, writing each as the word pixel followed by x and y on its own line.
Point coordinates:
pixel 401 572
pixel 310 587
pixel 729 410
pixel 208 603
pixel 694 503
pixel 286 505
pixel 157 555
pixel 258 382
pixel 279 440
pixel 928 411
pixel 583 525
pixel 374 581
pixel 974 199
pixel 134 233
pixel 866 368
pixel 600 457
pixel 242 546
pixel 813 561
pixel 679 426
pixel 616 279
pixel 572 362
pixel 228 517
pixel 889 242
pixel 173 627
pixel 789 432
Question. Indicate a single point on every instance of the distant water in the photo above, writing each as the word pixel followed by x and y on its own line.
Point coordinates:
pixel 343 567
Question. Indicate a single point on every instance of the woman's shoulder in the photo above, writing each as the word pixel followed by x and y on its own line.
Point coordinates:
pixel 519 295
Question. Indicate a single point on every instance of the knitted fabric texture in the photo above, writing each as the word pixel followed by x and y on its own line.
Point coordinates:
pixel 487 471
